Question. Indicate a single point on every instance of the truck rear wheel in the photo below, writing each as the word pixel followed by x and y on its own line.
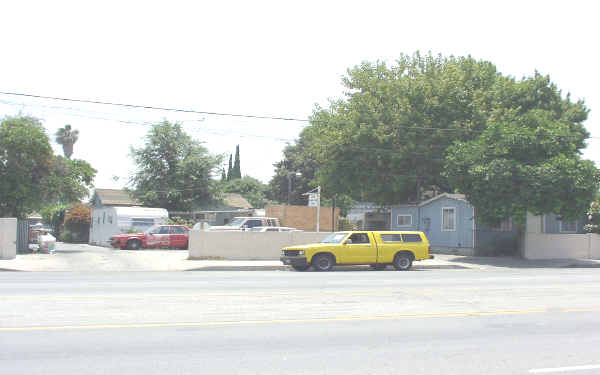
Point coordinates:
pixel 403 261
pixel 322 262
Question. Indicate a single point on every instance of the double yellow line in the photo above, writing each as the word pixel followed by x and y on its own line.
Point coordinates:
pixel 307 320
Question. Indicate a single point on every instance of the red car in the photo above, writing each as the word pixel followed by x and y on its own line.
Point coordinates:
pixel 170 236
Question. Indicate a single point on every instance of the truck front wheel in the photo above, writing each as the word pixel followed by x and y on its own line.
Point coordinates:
pixel 134 244
pixel 303 267
pixel 322 262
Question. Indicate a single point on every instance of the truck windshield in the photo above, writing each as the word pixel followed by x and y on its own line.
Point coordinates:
pixel 335 237
pixel 235 222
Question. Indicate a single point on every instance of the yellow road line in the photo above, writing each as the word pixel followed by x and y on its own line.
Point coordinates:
pixel 299 294
pixel 450 314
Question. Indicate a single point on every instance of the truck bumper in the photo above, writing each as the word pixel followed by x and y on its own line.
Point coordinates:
pixel 294 261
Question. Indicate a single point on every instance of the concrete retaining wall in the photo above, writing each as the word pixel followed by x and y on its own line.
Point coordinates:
pixel 8 238
pixel 247 245
pixel 561 246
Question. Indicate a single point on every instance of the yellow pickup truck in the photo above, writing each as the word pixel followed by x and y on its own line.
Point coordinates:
pixel 376 248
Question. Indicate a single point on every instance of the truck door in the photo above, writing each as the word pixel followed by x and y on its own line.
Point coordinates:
pixel 360 248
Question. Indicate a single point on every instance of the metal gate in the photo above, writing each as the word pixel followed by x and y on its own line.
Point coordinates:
pixel 23 236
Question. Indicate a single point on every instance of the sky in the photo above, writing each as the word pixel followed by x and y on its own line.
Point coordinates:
pixel 264 58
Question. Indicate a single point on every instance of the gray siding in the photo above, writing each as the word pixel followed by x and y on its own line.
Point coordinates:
pixel 431 221
pixel 413 211
pixel 428 218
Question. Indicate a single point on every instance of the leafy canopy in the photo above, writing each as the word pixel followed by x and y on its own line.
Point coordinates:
pixel 447 124
pixel 248 187
pixel 528 157
pixel 25 161
pixel 385 141
pixel 173 170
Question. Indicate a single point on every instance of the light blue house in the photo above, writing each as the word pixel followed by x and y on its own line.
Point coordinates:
pixel 449 221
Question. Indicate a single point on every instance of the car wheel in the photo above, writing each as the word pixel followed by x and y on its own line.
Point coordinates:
pixel 403 261
pixel 322 262
pixel 378 266
pixel 301 268
pixel 134 244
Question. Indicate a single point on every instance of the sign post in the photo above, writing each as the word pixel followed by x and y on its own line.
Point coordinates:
pixel 314 200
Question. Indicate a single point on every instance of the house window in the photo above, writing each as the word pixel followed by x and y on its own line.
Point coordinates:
pixel 448 219
pixel 504 226
pixel 568 226
pixel 404 220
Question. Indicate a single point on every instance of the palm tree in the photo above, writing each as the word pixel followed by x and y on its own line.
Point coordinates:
pixel 67 138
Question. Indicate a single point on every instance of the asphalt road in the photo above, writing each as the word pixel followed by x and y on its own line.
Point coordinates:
pixel 274 322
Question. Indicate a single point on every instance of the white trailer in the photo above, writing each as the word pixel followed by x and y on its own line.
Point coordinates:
pixel 109 221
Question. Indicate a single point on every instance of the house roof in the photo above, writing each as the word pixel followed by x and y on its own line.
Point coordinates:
pixel 236 201
pixel 460 197
pixel 114 197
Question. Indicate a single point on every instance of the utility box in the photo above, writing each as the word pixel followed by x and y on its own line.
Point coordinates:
pixel 8 238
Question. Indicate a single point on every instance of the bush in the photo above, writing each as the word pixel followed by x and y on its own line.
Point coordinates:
pixel 507 246
pixel 67 237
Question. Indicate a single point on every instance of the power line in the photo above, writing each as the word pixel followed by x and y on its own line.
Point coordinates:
pixel 167 109
pixel 404 128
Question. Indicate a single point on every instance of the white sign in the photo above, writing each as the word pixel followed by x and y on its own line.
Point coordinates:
pixel 313 199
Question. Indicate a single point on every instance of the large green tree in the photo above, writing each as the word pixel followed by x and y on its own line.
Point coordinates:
pixel 25 161
pixel 173 170
pixel 385 140
pixel 68 180
pixel 528 157
pixel 456 125
pixel 31 177
pixel 66 137
pixel 250 188
pixel 299 164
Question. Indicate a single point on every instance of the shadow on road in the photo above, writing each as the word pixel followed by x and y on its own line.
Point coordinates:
pixel 515 262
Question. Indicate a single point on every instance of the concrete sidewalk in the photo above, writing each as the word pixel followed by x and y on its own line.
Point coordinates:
pixel 86 258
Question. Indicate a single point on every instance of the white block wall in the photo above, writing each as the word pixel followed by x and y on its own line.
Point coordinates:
pixel 8 238
pixel 247 245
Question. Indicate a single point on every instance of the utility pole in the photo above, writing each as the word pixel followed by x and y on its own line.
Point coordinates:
pixel 318 207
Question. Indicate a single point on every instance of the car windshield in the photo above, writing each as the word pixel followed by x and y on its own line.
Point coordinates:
pixel 235 222
pixel 335 237
pixel 153 229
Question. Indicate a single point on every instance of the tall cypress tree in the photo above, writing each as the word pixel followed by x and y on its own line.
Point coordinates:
pixel 237 172
pixel 230 169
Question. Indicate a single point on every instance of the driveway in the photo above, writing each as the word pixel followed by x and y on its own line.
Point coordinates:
pixel 83 257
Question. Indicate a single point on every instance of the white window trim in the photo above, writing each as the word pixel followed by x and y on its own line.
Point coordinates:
pixel 567 231
pixel 454 211
pixel 398 222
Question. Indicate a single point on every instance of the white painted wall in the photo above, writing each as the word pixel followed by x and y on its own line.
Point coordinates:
pixel 561 246
pixel 247 245
pixel 8 238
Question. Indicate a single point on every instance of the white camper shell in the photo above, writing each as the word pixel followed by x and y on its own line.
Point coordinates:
pixel 110 221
